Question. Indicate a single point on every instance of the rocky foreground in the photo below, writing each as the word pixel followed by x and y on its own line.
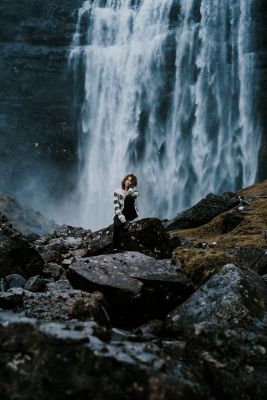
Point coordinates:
pixel 180 313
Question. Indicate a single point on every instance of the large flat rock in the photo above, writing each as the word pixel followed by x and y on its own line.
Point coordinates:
pixel 135 286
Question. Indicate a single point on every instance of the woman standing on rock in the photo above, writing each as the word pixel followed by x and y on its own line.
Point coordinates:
pixel 124 206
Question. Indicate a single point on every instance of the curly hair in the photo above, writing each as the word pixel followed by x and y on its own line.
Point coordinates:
pixel 134 180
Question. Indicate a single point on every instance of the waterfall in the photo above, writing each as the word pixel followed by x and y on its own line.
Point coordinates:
pixel 167 95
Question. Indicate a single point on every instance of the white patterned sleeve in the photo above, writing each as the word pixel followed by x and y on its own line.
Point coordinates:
pixel 116 203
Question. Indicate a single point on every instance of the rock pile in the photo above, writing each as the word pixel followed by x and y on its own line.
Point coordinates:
pixel 151 322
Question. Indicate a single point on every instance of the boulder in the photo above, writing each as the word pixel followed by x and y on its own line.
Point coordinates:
pixel 232 297
pixel 146 236
pixel 137 287
pixel 203 211
pixel 35 284
pixel 253 257
pixel 64 241
pixel 70 360
pixel 17 256
pixel 59 302
pixel 15 280
pixel 233 359
pixel 231 220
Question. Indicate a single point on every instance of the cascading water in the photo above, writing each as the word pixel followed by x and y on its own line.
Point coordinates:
pixel 168 95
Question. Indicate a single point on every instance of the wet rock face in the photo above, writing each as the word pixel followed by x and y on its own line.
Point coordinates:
pixel 132 283
pixel 16 254
pixel 203 211
pixel 231 297
pixel 36 100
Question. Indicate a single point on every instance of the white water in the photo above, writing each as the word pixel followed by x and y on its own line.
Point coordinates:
pixel 169 96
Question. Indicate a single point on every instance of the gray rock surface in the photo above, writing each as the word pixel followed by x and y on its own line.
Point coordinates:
pixel 132 283
pixel 203 211
pixel 70 361
pixel 17 256
pixel 232 297
pixel 146 236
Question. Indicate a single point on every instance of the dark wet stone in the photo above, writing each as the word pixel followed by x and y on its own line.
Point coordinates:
pixel 231 220
pixel 53 270
pixel 17 256
pixel 61 302
pixel 146 236
pixel 11 299
pixel 84 366
pixel 3 285
pixel 233 359
pixel 35 284
pixel 232 297
pixel 71 232
pixel 253 257
pixel 136 287
pixel 203 211
pixel 154 327
pixel 15 280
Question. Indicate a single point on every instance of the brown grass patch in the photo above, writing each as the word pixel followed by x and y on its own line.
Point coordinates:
pixel 199 264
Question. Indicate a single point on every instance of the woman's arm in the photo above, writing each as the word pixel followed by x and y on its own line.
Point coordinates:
pixel 116 203
pixel 132 192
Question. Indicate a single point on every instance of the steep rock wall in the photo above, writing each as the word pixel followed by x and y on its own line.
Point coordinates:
pixel 37 113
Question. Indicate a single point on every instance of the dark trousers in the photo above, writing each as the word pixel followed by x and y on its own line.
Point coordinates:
pixel 118 229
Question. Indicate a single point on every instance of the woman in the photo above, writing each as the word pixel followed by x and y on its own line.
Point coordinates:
pixel 124 206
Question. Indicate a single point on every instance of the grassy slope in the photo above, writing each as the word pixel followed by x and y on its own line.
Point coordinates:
pixel 199 263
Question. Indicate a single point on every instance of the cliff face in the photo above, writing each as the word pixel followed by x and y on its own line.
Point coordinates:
pixel 260 47
pixel 37 113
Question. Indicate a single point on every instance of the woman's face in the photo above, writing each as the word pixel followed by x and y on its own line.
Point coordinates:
pixel 128 182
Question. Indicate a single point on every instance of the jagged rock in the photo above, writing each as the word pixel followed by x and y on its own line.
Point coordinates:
pixel 146 236
pixel 53 270
pixel 71 232
pixel 154 327
pixel 84 366
pixel 3 285
pixel 62 243
pixel 15 280
pixel 231 297
pixel 35 284
pixel 11 299
pixel 61 302
pixel 253 257
pixel 16 254
pixel 136 287
pixel 203 211
pixel 231 220
pixel 233 359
